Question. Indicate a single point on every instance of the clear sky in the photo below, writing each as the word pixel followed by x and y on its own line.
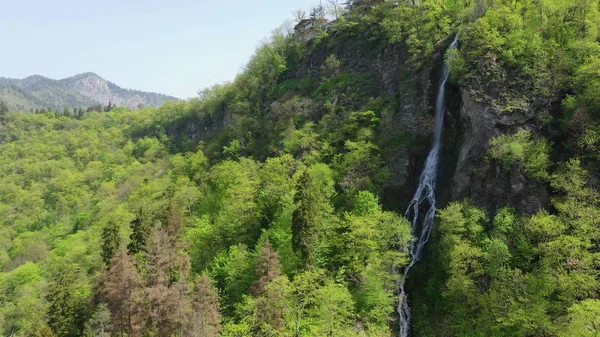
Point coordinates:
pixel 169 46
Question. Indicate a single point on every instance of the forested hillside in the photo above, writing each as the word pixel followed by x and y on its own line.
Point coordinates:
pixel 274 205
pixel 78 92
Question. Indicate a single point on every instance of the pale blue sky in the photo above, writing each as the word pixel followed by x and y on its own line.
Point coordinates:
pixel 174 47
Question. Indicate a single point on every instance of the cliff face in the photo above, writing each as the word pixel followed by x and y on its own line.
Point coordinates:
pixel 406 123
pixel 481 180
pixel 473 118
pixel 357 69
pixel 406 96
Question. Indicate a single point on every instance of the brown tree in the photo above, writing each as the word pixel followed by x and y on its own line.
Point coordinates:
pixel 175 227
pixel 268 268
pixel 269 308
pixel 268 312
pixel 121 290
pixel 204 319
pixel 166 283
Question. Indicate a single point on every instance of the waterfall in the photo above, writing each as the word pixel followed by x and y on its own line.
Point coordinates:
pixel 424 197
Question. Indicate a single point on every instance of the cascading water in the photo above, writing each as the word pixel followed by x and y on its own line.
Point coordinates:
pixel 424 196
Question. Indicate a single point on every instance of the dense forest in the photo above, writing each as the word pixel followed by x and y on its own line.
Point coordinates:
pixel 274 205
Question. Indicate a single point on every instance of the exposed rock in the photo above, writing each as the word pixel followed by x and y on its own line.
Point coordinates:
pixel 478 178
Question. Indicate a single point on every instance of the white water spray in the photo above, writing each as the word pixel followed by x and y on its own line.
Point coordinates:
pixel 424 197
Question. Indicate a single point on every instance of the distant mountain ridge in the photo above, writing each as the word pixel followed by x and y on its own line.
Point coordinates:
pixel 82 90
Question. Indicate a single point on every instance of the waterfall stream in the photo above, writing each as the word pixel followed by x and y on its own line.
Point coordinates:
pixel 424 198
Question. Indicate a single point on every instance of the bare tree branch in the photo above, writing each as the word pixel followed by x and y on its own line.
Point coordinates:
pixel 300 15
pixel 335 8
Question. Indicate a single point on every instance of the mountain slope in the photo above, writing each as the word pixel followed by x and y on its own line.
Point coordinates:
pixel 81 90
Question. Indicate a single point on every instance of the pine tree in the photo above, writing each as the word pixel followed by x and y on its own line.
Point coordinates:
pixel 111 240
pixel 166 285
pixel 270 290
pixel 99 324
pixel 168 269
pixel 204 320
pixel 268 268
pixel 64 308
pixel 121 290
pixel 315 188
pixel 140 228
pixel 269 308
pixel 174 225
pixel 3 108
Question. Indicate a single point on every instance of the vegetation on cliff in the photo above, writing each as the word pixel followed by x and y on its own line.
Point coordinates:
pixel 256 209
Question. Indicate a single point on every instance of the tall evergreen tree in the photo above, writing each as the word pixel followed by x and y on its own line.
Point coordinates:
pixel 140 228
pixel 165 286
pixel 315 189
pixel 166 282
pixel 204 320
pixel 99 324
pixel 271 290
pixel 174 225
pixel 111 240
pixel 121 290
pixel 64 306
pixel 318 12
pixel 3 107
pixel 269 308
pixel 267 268
pixel 109 107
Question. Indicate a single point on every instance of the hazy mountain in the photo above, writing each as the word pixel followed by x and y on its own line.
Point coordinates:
pixel 81 90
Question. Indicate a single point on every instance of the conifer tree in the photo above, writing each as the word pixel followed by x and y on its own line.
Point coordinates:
pixel 204 319
pixel 111 240
pixel 140 228
pixel 121 290
pixel 315 188
pixel 64 308
pixel 99 324
pixel 267 268
pixel 166 283
pixel 3 108
pixel 270 308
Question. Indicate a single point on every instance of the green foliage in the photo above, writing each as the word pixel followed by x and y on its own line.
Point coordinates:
pixel 3 107
pixel 273 182
pixel 233 272
pixel 314 210
pixel 420 26
pixel 583 319
pixel 111 240
pixel 518 276
pixel 99 324
pixel 65 303
pixel 521 147
pixel 457 65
